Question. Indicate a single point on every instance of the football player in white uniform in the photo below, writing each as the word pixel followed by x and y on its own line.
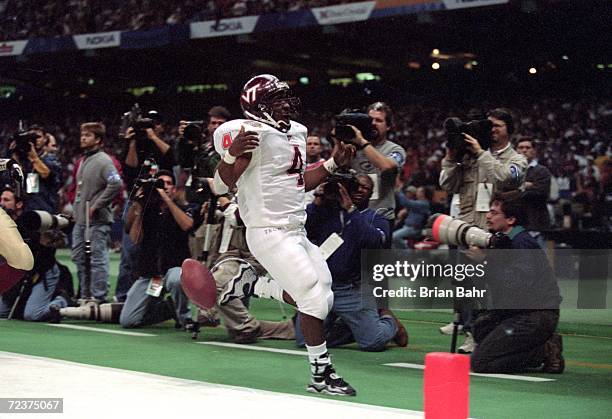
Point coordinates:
pixel 263 156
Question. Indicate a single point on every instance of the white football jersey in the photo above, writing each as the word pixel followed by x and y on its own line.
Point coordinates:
pixel 271 189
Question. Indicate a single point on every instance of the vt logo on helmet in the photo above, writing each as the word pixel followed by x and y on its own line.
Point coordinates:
pixel 266 99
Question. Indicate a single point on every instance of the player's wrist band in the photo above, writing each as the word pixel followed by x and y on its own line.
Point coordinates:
pixel 229 159
pixel 330 165
pixel 362 146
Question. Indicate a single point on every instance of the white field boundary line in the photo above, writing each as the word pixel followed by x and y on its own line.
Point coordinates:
pixel 96 329
pixel 80 385
pixel 503 376
pixel 255 348
pixel 398 365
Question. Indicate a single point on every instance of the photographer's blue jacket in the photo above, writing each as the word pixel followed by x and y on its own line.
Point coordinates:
pixel 359 229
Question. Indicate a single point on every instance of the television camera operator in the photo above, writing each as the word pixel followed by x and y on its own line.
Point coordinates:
pixel 340 211
pixel 43 290
pixel 42 169
pixel 198 157
pixel 479 161
pixel 159 225
pixel 376 156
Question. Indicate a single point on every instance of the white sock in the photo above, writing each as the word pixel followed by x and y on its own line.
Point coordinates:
pixel 266 287
pixel 319 358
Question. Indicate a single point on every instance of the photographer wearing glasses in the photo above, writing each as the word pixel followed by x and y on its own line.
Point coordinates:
pixel 340 214
pixel 518 332
pixel 160 226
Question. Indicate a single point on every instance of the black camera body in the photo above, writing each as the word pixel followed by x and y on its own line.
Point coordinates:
pixel 23 139
pixel 347 178
pixel 149 194
pixel 478 128
pixel 359 120
pixel 193 131
pixel 134 119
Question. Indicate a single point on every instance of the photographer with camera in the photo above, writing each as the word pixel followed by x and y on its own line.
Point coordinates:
pixel 378 158
pixel 517 332
pixel 479 161
pixel 340 212
pixel 42 169
pixel 97 183
pixel 146 149
pixel 159 226
pixel 198 157
pixel 40 293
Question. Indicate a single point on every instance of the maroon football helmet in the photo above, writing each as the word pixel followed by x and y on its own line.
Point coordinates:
pixel 260 94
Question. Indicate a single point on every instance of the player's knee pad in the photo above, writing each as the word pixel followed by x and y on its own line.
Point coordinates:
pixel 315 302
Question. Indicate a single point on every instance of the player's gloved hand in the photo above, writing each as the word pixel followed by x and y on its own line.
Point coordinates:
pixel 245 142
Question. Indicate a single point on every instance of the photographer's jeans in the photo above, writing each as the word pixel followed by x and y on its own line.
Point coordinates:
pixel 99 236
pixel 354 318
pixel 37 306
pixel 401 235
pixel 141 309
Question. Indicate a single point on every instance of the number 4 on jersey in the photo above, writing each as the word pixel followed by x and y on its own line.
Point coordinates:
pixel 297 166
pixel 226 142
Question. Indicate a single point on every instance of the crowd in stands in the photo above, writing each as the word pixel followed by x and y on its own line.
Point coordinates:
pixel 572 138
pixel 25 19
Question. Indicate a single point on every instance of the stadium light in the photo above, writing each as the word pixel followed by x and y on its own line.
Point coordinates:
pixel 435 66
pixel 304 80
pixel 435 51
pixel 532 70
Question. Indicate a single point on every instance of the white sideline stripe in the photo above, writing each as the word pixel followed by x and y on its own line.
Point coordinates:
pixel 95 329
pixel 137 394
pixel 504 376
pixel 255 348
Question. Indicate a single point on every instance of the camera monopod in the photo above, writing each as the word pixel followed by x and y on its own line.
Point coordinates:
pixel 86 296
pixel 209 226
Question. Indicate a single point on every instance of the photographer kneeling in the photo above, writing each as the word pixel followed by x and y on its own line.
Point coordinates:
pixel 161 226
pixel 341 212
pixel 517 333
pixel 41 293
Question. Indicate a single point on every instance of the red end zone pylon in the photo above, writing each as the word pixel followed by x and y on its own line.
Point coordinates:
pixel 446 386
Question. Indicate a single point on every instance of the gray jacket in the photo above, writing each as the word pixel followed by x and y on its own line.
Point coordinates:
pixel 505 170
pixel 98 182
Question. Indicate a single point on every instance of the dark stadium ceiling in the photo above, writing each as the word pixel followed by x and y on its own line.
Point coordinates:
pixel 501 39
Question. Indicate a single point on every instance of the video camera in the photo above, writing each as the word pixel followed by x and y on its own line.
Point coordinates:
pixel 356 118
pixel 448 230
pixel 23 140
pixel 455 129
pixel 193 131
pixel 134 118
pixel 346 177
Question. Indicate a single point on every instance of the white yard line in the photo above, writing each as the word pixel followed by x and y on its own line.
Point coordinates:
pixel 503 376
pixel 96 329
pixel 255 348
pixel 95 392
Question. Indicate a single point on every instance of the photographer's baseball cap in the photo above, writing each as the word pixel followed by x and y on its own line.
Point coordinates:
pixel 155 115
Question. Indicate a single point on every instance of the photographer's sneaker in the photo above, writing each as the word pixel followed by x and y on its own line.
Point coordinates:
pixel 330 383
pixel 469 344
pixel 240 286
pixel 448 329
